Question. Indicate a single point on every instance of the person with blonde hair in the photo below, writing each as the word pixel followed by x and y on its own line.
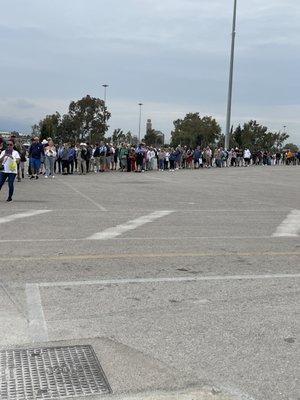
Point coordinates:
pixel 50 156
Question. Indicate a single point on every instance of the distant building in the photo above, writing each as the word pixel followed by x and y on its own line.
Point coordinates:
pixel 148 125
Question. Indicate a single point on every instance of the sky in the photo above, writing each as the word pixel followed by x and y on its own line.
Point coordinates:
pixel 170 55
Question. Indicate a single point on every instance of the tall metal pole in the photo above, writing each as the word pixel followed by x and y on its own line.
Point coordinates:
pixel 105 86
pixel 229 101
pixel 140 120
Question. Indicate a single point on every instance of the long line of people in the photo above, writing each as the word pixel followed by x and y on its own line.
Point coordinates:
pixel 83 158
pixel 44 157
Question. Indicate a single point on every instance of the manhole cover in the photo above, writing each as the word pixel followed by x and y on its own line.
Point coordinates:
pixel 51 373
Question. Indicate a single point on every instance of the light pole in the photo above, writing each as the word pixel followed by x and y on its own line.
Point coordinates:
pixel 140 120
pixel 105 87
pixel 228 117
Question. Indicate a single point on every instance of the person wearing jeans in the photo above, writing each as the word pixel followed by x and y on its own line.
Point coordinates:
pixel 36 151
pixel 50 155
pixel 9 159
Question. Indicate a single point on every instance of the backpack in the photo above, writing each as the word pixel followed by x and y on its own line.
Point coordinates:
pixel 83 153
pixel 97 152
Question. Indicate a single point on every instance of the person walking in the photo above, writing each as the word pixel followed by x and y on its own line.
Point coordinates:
pixel 9 159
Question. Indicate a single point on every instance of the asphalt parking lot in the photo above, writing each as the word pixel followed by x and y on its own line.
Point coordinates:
pixel 181 281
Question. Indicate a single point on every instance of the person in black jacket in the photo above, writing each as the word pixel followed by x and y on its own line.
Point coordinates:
pixel 36 150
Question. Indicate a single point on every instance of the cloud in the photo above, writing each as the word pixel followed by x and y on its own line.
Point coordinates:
pixel 171 54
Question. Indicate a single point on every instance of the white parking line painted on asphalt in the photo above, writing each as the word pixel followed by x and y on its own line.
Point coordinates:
pixel 290 227
pixel 37 324
pixel 118 230
pixel 171 280
pixel 84 196
pixel 147 239
pixel 26 214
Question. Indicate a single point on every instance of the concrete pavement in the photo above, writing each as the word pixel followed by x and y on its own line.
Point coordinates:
pixel 202 297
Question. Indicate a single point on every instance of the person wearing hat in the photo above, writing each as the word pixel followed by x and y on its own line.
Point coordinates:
pixel 81 158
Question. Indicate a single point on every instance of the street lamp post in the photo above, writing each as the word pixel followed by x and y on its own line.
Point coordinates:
pixel 105 87
pixel 229 101
pixel 140 120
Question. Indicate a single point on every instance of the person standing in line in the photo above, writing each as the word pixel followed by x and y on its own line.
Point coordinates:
pixel 161 159
pixel 81 158
pixel 58 162
pixel 36 150
pixel 196 157
pixel 50 155
pixel 72 156
pixel 23 160
pixel 123 154
pixel 89 153
pixel 102 156
pixel 96 156
pixel 9 159
pixel 173 157
pixel 247 157
pixel 208 156
pixel 65 159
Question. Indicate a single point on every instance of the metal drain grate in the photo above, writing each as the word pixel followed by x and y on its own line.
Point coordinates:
pixel 51 373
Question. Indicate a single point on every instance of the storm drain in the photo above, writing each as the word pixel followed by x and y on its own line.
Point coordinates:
pixel 51 373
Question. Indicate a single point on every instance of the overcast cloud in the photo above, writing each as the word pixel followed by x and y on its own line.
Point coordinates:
pixel 172 55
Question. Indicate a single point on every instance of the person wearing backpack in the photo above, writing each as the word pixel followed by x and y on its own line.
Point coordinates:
pixel 96 156
pixel 102 152
pixel 81 159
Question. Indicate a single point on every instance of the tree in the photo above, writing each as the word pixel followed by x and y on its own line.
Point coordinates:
pixel 257 137
pixel 152 138
pixel 90 118
pixel 128 137
pixel 291 146
pixel 118 136
pixel 47 127
pixel 68 130
pixel 194 130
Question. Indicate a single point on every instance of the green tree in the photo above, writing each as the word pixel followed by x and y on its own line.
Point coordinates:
pixel 257 137
pixel 90 117
pixel 128 137
pixel 118 136
pixel 152 138
pixel 291 146
pixel 48 127
pixel 67 131
pixel 194 130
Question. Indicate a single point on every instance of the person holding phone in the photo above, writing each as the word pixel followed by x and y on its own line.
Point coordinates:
pixel 9 159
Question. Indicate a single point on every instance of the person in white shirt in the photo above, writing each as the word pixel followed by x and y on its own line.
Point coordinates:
pixel 9 159
pixel 50 156
pixel 247 157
